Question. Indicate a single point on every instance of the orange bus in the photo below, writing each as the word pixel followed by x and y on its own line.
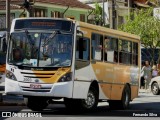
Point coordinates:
pixel 76 61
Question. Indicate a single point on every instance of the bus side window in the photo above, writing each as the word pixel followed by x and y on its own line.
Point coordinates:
pixel 110 49
pixel 125 52
pixel 82 48
pixel 97 47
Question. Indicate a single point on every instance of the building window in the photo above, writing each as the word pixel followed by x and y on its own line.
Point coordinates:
pixel 3 20
pixel 120 20
pixel 56 14
pixel 82 17
pixel 39 12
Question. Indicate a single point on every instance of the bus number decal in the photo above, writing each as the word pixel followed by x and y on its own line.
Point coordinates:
pixel 26 79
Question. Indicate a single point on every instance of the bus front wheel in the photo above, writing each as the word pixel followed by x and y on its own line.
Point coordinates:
pixel 36 103
pixel 92 100
pixel 90 103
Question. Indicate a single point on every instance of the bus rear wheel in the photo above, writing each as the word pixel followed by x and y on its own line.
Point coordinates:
pixel 124 102
pixel 36 103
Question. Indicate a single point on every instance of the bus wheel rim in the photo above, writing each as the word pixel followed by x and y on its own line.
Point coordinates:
pixel 90 100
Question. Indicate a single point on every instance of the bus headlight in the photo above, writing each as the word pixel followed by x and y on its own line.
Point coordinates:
pixel 10 75
pixel 66 77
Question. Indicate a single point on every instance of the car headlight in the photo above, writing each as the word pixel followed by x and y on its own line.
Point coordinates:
pixel 10 75
pixel 66 77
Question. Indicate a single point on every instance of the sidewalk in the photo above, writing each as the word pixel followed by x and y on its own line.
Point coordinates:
pixel 144 91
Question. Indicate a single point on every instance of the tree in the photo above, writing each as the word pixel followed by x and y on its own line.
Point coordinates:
pixel 147 27
pixel 98 14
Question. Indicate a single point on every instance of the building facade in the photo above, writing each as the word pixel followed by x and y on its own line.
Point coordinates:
pixel 46 8
pixel 122 9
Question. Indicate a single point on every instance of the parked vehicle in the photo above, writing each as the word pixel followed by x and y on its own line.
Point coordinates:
pixel 155 85
pixel 2 68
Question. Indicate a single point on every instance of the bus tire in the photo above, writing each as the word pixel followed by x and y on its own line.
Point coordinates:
pixel 126 97
pixel 71 104
pixel 124 102
pixel 36 103
pixel 92 100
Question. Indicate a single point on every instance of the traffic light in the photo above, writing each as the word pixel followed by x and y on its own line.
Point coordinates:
pixel 28 3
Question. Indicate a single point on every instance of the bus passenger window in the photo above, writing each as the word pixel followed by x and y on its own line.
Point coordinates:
pixel 125 52
pixel 97 47
pixel 82 48
pixel 110 49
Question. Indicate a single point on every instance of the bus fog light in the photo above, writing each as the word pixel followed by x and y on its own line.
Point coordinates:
pixel 66 77
pixel 10 75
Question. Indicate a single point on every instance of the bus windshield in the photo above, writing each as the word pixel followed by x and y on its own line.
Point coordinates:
pixel 40 49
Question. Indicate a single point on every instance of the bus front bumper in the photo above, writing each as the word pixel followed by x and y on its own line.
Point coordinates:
pixel 61 89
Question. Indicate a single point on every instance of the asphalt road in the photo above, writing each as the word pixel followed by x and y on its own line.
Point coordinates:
pixel 146 105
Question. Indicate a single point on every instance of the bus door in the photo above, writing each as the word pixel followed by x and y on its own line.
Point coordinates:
pixel 82 66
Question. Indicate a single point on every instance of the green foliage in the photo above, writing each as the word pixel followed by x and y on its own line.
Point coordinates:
pixel 98 13
pixel 144 24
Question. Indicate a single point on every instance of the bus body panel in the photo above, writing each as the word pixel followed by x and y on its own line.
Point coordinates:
pixel 23 85
pixel 83 79
pixel 54 90
pixel 112 77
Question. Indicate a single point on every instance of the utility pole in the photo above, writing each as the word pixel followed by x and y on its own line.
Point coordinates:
pixel 129 8
pixel 7 19
pixel 113 14
pixel 103 14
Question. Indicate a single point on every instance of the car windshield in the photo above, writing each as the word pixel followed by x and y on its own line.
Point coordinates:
pixel 39 49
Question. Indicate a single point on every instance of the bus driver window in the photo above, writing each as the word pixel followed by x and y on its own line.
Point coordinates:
pixel 17 55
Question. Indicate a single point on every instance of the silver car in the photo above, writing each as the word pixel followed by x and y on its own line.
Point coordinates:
pixel 154 85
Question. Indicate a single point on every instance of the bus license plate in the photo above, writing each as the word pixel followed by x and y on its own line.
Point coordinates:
pixel 35 86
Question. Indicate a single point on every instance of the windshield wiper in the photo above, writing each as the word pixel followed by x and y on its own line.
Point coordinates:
pixel 29 38
pixel 47 40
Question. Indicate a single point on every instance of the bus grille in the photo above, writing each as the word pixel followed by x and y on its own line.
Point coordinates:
pixel 37 75
pixel 35 90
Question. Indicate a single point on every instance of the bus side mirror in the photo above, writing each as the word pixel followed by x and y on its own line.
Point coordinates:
pixel 80 32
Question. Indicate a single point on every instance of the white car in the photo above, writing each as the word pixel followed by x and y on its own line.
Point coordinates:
pixel 154 85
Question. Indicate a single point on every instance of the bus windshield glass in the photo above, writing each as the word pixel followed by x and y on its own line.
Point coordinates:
pixel 40 49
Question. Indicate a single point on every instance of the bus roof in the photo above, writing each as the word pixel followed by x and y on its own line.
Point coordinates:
pixel 109 30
